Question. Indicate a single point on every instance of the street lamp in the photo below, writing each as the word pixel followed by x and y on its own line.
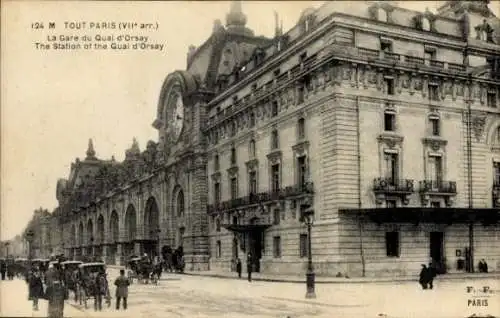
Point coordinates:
pixel 7 248
pixel 29 238
pixel 308 215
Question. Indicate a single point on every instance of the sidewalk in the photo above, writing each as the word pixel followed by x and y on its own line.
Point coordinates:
pixel 338 280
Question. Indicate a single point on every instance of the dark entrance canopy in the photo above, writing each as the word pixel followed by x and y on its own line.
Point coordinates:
pixel 426 215
pixel 242 228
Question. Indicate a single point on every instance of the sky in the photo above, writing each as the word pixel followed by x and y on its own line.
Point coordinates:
pixel 53 101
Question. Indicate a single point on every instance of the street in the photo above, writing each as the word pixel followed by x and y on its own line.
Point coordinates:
pixel 192 296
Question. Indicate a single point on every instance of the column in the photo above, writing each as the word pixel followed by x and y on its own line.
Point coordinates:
pixel 137 249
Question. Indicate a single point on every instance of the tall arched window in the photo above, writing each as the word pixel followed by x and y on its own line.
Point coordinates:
pixel 180 203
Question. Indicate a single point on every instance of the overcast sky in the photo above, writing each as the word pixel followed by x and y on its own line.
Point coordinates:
pixel 54 101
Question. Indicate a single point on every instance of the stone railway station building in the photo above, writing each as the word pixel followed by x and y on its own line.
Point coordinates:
pixel 384 120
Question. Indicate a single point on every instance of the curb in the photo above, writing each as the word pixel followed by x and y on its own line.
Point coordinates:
pixel 338 281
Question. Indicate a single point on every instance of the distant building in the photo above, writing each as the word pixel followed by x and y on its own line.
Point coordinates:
pixel 385 120
pixel 42 245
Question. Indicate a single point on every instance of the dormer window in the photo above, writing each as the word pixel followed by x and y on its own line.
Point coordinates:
pixel 382 15
pixel 426 24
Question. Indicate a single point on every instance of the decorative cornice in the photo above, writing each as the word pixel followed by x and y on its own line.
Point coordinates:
pixel 390 139
pixel 252 164
pixel 434 142
pixel 232 170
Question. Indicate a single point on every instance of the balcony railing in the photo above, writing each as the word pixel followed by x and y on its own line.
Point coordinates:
pixel 263 197
pixel 389 185
pixel 438 186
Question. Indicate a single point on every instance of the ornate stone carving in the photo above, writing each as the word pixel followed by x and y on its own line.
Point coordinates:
pixel 478 123
pixel 390 139
pixel 435 143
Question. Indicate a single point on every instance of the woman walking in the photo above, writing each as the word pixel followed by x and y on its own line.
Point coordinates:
pixel 35 288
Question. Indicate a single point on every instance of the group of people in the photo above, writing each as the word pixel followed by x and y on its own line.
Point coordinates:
pixel 6 270
pixel 53 287
pixel 239 267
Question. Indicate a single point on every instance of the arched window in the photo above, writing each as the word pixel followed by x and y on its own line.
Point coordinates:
pixel 252 119
pixel 497 136
pixel 382 15
pixel 426 24
pixel 251 148
pixel 180 204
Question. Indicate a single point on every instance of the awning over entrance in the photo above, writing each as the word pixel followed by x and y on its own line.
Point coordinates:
pixel 426 215
pixel 242 228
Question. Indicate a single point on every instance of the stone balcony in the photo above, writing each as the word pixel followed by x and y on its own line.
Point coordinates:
pixel 438 188
pixel 387 187
pixel 287 193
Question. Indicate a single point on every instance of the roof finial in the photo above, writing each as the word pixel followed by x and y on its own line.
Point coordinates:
pixel 90 151
pixel 236 17
pixel 277 30
pixel 135 147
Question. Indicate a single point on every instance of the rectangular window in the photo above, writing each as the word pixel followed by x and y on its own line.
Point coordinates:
pixel 276 217
pixel 301 170
pixel 234 188
pixel 252 119
pixel 391 167
pixel 277 246
pixel 436 204
pixel 392 244
pixel 303 245
pixel 300 93
pixel 389 122
pixel 386 46
pixel 429 55
pixel 216 163
pixel 435 170
pixel 433 92
pixel 492 100
pixel 390 203
pixel 434 126
pixel 233 156
pixel 274 108
pixel 252 179
pixel 389 85
pixel 217 192
pixel 496 167
pixel 301 128
pixel 218 253
pixel 275 177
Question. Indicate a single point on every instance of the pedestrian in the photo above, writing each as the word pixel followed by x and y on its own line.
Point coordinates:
pixel 423 277
pixel 249 267
pixel 431 274
pixel 122 283
pixel 56 292
pixel 3 268
pixel 35 288
pixel 483 266
pixel 238 267
pixel 99 290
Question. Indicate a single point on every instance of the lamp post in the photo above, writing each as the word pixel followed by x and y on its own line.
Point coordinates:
pixel 29 238
pixel 7 249
pixel 310 275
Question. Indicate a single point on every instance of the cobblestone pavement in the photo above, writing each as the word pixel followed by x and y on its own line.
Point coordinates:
pixel 188 296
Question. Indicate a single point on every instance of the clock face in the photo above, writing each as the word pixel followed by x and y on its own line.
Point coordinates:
pixel 176 107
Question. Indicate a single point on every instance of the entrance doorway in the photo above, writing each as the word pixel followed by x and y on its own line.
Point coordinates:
pixel 437 251
pixel 255 248
pixel 150 248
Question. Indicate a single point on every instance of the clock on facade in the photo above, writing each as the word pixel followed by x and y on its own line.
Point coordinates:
pixel 176 114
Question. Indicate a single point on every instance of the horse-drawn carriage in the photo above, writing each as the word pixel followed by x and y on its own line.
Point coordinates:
pixel 133 268
pixel 70 269
pixel 91 279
